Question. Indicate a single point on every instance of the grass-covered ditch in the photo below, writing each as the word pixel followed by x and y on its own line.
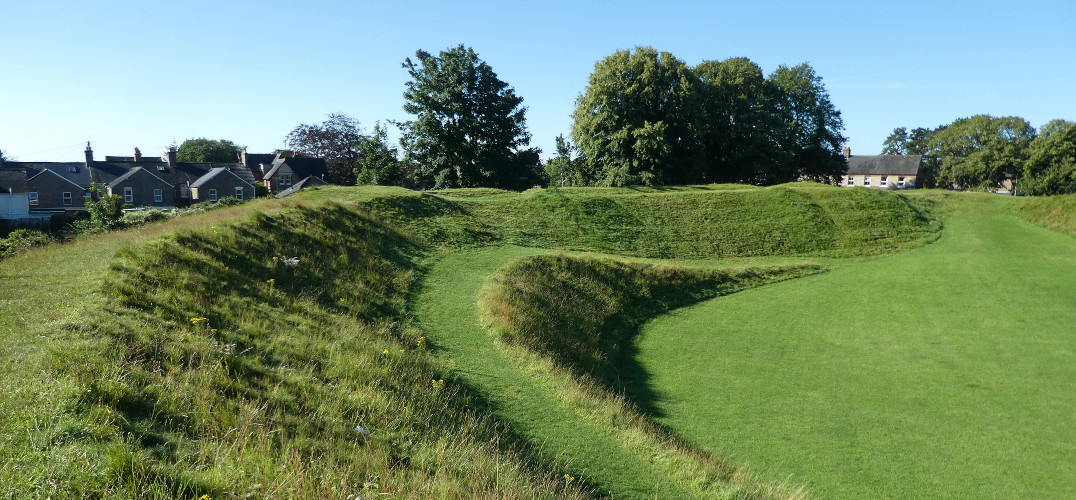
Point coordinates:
pixel 334 344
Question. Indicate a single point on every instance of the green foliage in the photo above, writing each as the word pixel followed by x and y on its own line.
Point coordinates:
pixel 982 151
pixel 811 134
pixel 208 150
pixel 378 161
pixel 20 240
pixel 737 123
pixel 105 213
pixel 1051 162
pixel 633 122
pixel 567 168
pixel 647 118
pixel 469 128
pixel 142 217
pixel 337 140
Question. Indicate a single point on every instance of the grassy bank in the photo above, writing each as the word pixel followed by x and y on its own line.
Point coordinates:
pixel 249 351
pixel 685 223
pixel 272 357
pixel 1054 212
pixel 940 373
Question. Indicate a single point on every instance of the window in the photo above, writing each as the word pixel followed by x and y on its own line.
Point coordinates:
pixel 884 180
pixel 67 198
pixel 851 181
pixel 239 193
pixel 160 168
pixel 900 182
pixel 867 181
pixel 72 168
pixel 213 195
pixel 33 198
pixel 128 195
pixel 184 191
pixel 158 196
pixel 285 179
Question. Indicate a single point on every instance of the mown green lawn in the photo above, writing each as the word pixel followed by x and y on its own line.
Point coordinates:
pixel 943 372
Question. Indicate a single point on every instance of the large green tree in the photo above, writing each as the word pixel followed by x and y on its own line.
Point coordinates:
pixel 634 122
pixel 811 127
pixel 1051 163
pixel 207 150
pixel 469 127
pixel 736 122
pixel 379 161
pixel 982 151
pixel 336 139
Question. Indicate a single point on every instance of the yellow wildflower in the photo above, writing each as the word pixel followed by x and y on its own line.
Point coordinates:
pixel 438 383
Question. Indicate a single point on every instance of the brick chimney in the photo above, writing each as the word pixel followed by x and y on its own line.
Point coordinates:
pixel 89 155
pixel 847 152
pixel 243 157
pixel 138 155
pixel 171 156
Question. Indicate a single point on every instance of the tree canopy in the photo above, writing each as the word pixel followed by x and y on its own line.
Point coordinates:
pixel 646 117
pixel 469 128
pixel 634 121
pixel 207 150
pixel 337 140
pixel 982 151
pixel 1051 163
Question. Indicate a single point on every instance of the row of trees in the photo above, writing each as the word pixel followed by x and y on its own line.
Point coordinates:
pixel 646 117
pixel 982 151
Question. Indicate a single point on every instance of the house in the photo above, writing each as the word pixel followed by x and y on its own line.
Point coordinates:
pixel 49 190
pixel 883 171
pixel 141 187
pixel 218 183
pixel 286 173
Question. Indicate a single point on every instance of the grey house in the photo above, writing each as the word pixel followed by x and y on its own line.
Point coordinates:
pixel 883 171
pixel 140 187
pixel 218 183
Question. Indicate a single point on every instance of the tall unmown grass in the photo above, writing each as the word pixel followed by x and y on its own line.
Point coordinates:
pixel 1054 212
pixel 688 223
pixel 270 358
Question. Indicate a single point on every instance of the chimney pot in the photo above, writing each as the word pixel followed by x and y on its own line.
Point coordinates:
pixel 89 155
pixel 137 155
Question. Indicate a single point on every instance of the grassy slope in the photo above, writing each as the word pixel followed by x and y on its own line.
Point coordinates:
pixel 944 372
pixel 261 397
pixel 678 224
pixel 1054 212
pixel 106 408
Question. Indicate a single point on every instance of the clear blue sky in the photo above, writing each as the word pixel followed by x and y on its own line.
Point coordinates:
pixel 145 73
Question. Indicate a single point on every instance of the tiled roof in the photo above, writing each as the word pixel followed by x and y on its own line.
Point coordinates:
pixel 885 165
pixel 213 173
pixel 12 180
pixel 133 172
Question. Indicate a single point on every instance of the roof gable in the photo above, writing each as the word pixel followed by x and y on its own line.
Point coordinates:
pixel 48 172
pixel 133 172
pixel 217 172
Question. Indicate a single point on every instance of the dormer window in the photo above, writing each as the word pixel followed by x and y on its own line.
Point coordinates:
pixel 73 169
